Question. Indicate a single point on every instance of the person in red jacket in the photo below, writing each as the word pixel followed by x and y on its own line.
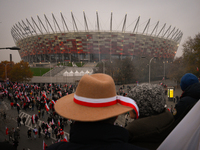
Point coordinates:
pixel 11 104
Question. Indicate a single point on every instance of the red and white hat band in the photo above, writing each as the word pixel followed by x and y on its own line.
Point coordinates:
pixel 125 101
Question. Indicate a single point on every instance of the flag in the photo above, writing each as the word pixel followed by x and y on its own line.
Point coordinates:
pixel 6 131
pixel 59 122
pixel 60 93
pixel 44 94
pixel 18 105
pixel 27 98
pixel 197 68
pixel 38 98
pixel 47 107
pixel 44 145
pixel 52 121
pixel 53 102
pixel 33 118
pixel 48 125
pixel 35 131
pixel 65 139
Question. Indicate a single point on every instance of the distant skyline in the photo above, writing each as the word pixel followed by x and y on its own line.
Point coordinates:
pixel 183 15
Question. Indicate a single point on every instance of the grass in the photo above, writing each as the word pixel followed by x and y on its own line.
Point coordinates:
pixel 80 64
pixel 39 71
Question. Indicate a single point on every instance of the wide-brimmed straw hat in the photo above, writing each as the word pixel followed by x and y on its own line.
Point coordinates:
pixel 95 99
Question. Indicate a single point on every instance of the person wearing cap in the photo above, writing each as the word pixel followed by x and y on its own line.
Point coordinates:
pixel 191 94
pixel 155 121
pixel 94 107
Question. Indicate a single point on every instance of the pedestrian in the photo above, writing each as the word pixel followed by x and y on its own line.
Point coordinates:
pixel 43 126
pixel 18 108
pixel 62 125
pixel 19 121
pixel 16 135
pixel 36 119
pixel 29 133
pixel 61 133
pixel 153 126
pixel 11 104
pixel 95 107
pixel 10 135
pixel 126 119
pixel 39 113
pixel 30 106
pixel 49 132
pixel 52 127
pixel 24 120
pixel 46 133
pixel 42 113
pixel 4 115
pixel 33 106
pixel 35 132
pixel 190 86
pixel 39 131
pixel 17 132
pixel 172 109
pixel 15 144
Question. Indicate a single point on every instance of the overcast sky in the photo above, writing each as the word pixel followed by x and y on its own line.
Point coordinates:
pixel 182 14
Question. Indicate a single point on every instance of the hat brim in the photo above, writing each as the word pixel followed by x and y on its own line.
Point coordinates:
pixel 67 108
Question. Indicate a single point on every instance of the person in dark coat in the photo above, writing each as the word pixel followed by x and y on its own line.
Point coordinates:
pixel 24 120
pixel 18 121
pixel 29 133
pixel 191 94
pixel 18 108
pixel 36 119
pixel 155 121
pixel 15 144
pixel 39 131
pixel 94 120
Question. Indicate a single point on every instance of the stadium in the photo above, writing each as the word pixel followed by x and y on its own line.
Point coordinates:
pixel 49 40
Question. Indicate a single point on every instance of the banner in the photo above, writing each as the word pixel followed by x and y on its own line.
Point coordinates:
pixel 186 135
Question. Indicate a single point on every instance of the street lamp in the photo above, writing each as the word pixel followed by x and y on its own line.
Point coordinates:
pixel 51 78
pixel 164 69
pixel 6 70
pixel 11 48
pixel 150 66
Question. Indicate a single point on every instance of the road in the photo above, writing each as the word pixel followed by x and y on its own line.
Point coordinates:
pixel 11 122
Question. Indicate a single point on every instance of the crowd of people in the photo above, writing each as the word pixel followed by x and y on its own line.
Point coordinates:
pixel 28 97
pixel 94 108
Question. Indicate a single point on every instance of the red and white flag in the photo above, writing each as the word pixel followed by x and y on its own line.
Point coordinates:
pixel 35 131
pixel 18 105
pixel 6 130
pixel 33 118
pixel 52 121
pixel 44 145
pixel 48 125
pixel 60 93
pixel 44 94
pixel 47 107
pixel 65 139
pixel 59 122
pixel 53 102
